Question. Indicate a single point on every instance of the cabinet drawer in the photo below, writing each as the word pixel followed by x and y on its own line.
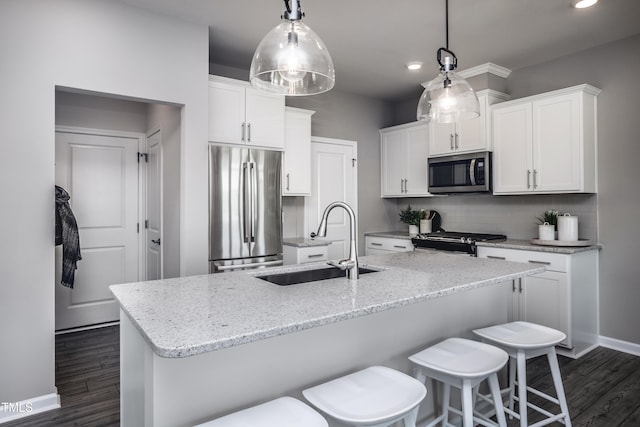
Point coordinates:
pixel 312 254
pixel 389 244
pixel 553 262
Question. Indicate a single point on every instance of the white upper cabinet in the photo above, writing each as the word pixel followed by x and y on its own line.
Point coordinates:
pixel 467 135
pixel 296 170
pixel 239 114
pixel 546 143
pixel 403 155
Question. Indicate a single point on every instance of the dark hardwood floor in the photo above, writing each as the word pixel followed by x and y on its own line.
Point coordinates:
pixel 88 381
pixel 602 388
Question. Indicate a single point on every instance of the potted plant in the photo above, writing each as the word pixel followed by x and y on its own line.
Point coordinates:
pixel 412 218
pixel 547 225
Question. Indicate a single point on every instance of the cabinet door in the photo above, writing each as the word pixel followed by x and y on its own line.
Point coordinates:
pixel 226 113
pixel 471 135
pixel 296 171
pixel 393 154
pixel 441 139
pixel 416 171
pixel 543 300
pixel 512 149
pixel 265 119
pixel 556 143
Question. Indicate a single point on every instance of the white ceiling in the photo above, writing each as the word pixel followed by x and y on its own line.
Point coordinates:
pixel 370 41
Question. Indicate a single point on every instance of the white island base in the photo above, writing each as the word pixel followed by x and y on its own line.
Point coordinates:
pixel 158 391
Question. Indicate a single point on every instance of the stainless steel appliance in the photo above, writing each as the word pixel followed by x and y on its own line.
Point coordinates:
pixel 245 208
pixel 454 241
pixel 460 173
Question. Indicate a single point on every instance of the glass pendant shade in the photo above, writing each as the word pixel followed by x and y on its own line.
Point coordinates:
pixel 447 99
pixel 292 60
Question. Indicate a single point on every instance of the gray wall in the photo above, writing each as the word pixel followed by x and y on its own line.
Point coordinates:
pixel 609 216
pixel 352 117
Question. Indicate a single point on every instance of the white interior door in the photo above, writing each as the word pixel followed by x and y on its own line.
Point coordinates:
pixel 100 173
pixel 153 197
pixel 333 178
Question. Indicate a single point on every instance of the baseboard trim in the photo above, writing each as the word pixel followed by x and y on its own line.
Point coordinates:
pixel 10 411
pixel 86 328
pixel 619 345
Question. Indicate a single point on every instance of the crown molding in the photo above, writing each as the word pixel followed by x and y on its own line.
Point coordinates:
pixel 485 68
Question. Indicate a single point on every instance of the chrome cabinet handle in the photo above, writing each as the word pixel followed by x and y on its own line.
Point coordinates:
pixel 535 174
pixel 457 139
pixel 520 287
pixel 405 185
pixel 249 132
pixel 399 247
pixel 315 255
pixel 156 241
pixel 376 244
pixel 451 140
pixel 288 182
pixel 532 261
pixel 243 125
pixel 528 178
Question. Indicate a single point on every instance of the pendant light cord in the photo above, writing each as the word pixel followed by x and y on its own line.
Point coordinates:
pixel 446 14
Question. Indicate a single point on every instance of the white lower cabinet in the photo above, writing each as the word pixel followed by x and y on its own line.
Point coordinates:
pixel 564 297
pixel 376 245
pixel 302 255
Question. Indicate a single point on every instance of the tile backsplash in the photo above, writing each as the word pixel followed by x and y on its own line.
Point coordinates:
pixel 514 216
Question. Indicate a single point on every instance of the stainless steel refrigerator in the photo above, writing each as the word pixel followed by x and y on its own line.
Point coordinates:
pixel 245 208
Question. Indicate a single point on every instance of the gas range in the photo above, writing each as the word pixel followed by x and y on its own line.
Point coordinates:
pixel 454 241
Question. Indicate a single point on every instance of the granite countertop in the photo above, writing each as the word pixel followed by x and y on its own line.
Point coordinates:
pixel 191 315
pixel 302 242
pixel 394 234
pixel 528 246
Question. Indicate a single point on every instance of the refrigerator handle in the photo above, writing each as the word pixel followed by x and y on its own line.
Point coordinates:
pixel 254 202
pixel 245 201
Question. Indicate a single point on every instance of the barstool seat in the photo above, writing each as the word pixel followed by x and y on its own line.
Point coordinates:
pixel 463 364
pixel 523 341
pixel 375 396
pixel 282 412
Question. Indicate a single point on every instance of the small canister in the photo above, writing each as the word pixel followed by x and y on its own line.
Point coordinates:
pixel 567 228
pixel 546 231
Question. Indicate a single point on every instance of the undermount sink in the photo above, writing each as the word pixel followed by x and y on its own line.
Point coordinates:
pixel 304 276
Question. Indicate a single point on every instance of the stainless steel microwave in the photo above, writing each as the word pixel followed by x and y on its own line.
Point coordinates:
pixel 460 173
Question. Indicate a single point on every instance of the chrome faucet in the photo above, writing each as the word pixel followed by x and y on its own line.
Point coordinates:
pixel 350 264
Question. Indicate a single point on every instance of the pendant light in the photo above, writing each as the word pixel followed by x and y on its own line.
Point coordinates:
pixel 291 59
pixel 448 98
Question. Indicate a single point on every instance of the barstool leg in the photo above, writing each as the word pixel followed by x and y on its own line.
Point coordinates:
pixel 522 388
pixel 494 386
pixel 512 383
pixel 557 382
pixel 467 404
pixel 446 400
pixel 411 418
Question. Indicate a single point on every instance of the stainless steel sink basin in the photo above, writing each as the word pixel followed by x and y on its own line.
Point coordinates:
pixel 304 276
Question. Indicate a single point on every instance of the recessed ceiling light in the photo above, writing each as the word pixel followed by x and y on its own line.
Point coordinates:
pixel 581 4
pixel 415 65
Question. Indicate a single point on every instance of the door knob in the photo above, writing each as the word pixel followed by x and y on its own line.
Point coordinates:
pixel 156 241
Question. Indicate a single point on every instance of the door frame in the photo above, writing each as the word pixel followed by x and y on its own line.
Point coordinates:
pixel 354 147
pixel 142 179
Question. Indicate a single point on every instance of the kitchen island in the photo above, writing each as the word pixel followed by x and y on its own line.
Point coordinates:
pixel 196 348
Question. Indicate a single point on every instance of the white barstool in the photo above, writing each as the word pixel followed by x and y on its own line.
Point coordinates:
pixel 463 364
pixel 523 341
pixel 375 396
pixel 282 412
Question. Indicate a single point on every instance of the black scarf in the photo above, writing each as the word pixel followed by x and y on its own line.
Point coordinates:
pixel 70 237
